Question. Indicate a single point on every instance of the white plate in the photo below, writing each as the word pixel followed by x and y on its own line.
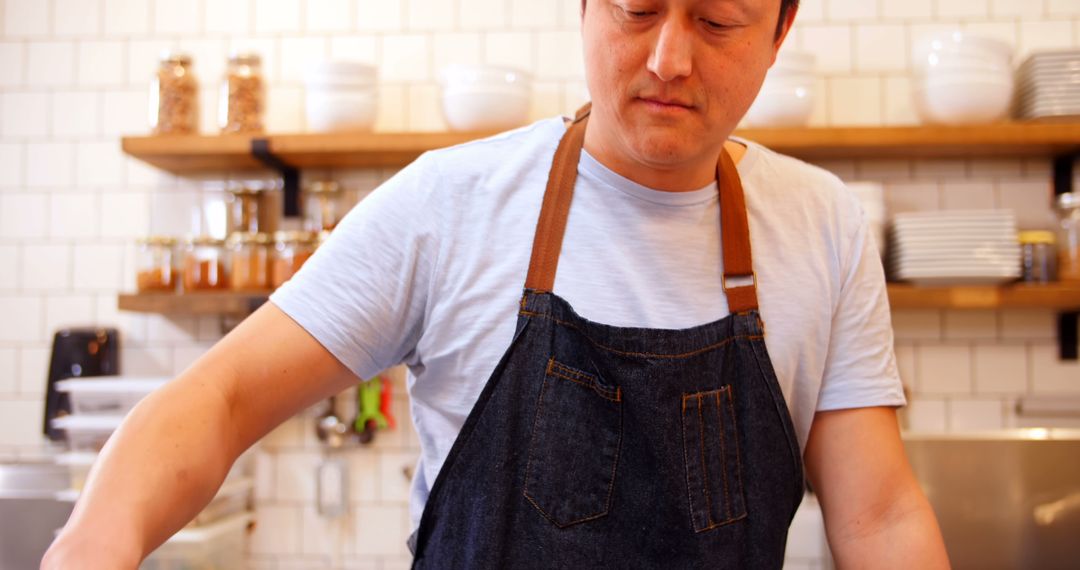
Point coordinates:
pixel 956 250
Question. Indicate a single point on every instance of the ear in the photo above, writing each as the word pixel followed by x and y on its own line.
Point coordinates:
pixel 789 20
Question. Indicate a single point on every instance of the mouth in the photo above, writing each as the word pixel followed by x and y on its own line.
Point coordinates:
pixel 666 104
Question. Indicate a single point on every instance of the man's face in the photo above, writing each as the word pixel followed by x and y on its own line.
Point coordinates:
pixel 670 79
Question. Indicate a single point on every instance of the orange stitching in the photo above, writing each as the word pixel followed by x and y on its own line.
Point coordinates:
pixel 738 452
pixel 561 370
pixel 532 446
pixel 723 453
pixel 642 354
pixel 704 466
pixel 686 463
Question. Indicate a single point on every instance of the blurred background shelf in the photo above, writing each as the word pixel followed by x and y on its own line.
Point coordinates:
pixel 224 303
pixel 1057 296
pixel 197 153
pixel 901 296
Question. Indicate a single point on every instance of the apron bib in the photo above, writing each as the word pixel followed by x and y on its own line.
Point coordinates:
pixel 600 446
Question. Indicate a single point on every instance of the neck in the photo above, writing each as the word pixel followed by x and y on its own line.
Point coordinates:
pixel 684 176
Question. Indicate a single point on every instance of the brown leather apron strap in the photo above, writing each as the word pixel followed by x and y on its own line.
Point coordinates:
pixel 735 238
pixel 547 243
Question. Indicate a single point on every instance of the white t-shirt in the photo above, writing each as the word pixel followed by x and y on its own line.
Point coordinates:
pixel 429 268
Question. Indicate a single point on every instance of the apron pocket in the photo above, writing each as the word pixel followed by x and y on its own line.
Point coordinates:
pixel 577 432
pixel 711 452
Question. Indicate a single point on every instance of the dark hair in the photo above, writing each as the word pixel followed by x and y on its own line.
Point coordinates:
pixel 785 7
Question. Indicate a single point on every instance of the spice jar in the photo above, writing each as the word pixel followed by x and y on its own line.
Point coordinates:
pixel 1068 205
pixel 291 250
pixel 245 209
pixel 174 96
pixel 1037 256
pixel 249 258
pixel 322 209
pixel 204 264
pixel 156 269
pixel 243 95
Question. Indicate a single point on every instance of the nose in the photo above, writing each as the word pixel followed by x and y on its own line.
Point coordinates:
pixel 672 55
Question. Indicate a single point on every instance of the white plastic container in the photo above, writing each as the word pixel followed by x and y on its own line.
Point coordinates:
pixel 341 96
pixel 107 394
pixel 219 546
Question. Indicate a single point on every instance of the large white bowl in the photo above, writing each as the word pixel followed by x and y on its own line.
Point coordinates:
pixel 962 103
pixel 485 109
pixel 340 73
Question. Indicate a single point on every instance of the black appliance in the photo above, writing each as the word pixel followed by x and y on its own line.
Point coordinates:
pixel 76 353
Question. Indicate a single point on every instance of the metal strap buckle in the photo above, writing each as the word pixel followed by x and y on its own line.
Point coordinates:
pixel 752 276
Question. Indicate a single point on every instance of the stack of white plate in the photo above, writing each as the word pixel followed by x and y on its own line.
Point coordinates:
pixel 961 78
pixel 786 98
pixel 1049 85
pixel 973 247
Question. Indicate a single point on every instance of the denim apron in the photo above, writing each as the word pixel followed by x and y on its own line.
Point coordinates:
pixel 595 446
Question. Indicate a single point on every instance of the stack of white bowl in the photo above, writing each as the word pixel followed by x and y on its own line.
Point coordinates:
pixel 485 97
pixel 961 79
pixel 1049 85
pixel 787 96
pixel 972 247
pixel 342 96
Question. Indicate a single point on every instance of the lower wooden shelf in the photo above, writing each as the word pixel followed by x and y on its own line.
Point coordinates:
pixel 1056 296
pixel 224 303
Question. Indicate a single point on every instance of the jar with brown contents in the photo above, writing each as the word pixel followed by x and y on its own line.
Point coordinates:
pixel 1068 205
pixel 243 95
pixel 249 257
pixel 322 205
pixel 204 265
pixel 174 96
pixel 156 270
pixel 291 250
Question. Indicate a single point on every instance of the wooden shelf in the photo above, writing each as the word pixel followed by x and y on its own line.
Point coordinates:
pixel 225 303
pixel 1055 296
pixel 189 154
pixel 901 297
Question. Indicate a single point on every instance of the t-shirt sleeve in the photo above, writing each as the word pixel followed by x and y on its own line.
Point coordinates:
pixel 364 293
pixel 860 369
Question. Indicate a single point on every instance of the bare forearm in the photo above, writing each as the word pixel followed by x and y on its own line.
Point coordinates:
pixel 157 472
pixel 904 535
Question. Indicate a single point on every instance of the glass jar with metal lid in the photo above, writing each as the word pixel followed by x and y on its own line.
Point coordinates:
pixel 242 102
pixel 174 96
pixel 291 250
pixel 1037 257
pixel 249 259
pixel 1068 206
pixel 156 269
pixel 204 264
pixel 251 205
pixel 322 205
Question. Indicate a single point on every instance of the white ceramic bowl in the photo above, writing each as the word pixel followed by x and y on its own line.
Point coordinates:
pixel 781 106
pixel 962 103
pixel 480 109
pixel 960 43
pixel 341 73
pixel 462 76
pixel 341 109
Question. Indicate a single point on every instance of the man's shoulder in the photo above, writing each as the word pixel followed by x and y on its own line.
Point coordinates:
pixel 518 146
pixel 788 169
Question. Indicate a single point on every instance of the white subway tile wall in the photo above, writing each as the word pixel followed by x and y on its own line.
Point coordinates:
pixel 76 77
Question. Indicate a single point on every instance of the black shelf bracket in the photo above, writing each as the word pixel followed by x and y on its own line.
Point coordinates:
pixel 290 175
pixel 1068 344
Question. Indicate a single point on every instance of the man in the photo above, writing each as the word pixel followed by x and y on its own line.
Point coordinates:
pixel 615 430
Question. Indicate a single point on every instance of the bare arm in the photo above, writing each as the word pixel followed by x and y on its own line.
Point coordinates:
pixel 876 516
pixel 173 451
